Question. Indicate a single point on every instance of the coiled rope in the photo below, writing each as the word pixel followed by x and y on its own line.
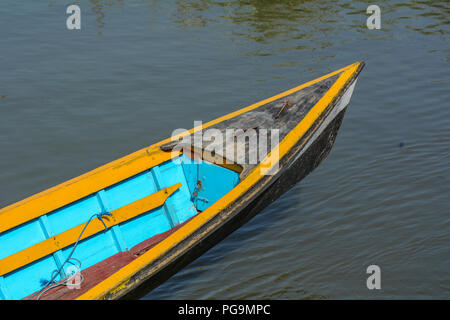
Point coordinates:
pixel 52 283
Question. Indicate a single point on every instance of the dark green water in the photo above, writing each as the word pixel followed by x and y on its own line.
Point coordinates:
pixel 71 101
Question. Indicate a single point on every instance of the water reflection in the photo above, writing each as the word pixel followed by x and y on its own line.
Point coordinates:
pixel 272 27
pixel 98 7
pixel 265 23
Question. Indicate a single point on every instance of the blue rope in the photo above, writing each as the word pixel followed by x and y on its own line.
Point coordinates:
pixel 57 272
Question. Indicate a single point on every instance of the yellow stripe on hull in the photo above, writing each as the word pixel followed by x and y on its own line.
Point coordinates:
pixel 70 236
pixel 80 187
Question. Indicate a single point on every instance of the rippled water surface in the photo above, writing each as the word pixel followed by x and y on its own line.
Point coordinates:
pixel 71 101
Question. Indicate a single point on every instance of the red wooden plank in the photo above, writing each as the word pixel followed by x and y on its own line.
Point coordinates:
pixel 100 271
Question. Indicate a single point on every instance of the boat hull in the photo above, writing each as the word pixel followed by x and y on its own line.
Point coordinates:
pixel 304 162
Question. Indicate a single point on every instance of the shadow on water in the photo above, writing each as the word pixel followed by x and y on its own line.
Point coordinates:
pixel 188 275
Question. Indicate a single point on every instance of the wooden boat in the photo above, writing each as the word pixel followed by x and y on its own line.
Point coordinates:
pixel 132 223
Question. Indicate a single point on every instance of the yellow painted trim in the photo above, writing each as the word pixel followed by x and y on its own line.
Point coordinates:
pixel 70 236
pixel 111 173
pixel 112 282
pixel 80 187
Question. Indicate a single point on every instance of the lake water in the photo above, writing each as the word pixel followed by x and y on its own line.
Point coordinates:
pixel 72 100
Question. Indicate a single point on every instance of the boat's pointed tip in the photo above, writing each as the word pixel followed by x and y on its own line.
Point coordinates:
pixel 358 64
pixel 356 67
pixel 361 64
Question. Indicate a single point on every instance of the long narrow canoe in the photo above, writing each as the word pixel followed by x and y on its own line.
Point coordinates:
pixel 127 226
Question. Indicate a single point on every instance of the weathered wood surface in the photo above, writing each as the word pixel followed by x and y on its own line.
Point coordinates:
pixel 282 114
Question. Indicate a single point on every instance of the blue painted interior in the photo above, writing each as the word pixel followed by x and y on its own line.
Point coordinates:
pixel 216 181
pixel 210 182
